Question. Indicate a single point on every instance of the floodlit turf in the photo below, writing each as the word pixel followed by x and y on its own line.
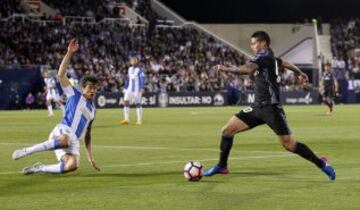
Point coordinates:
pixel 142 165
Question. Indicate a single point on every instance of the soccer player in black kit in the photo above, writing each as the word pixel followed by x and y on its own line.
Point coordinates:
pixel 328 87
pixel 267 108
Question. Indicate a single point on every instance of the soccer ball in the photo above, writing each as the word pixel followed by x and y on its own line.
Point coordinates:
pixel 193 171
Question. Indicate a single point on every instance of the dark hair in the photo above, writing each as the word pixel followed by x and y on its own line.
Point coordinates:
pixel 262 36
pixel 89 79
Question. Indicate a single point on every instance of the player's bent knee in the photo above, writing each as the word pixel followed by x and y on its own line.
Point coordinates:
pixel 227 131
pixel 287 142
pixel 70 163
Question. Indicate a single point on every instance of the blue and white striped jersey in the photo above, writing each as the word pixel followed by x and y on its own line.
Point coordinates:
pixel 79 112
pixel 135 79
pixel 51 85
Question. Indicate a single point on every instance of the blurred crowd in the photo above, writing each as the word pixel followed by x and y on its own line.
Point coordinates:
pixel 174 59
pixel 10 7
pixel 345 46
pixel 99 9
pixel 83 8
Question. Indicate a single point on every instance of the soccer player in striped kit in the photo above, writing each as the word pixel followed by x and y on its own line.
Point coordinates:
pixel 134 88
pixel 76 124
pixel 52 94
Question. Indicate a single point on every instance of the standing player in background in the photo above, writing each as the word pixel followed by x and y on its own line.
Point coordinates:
pixel 76 124
pixel 52 94
pixel 267 108
pixel 134 88
pixel 328 87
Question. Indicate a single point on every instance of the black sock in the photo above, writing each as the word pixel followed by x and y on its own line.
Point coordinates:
pixel 225 147
pixel 305 152
pixel 331 104
pixel 327 103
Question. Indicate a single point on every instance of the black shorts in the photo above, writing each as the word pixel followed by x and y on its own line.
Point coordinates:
pixel 272 115
pixel 329 93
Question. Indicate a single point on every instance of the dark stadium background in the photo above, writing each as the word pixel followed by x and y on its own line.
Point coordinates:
pixel 234 11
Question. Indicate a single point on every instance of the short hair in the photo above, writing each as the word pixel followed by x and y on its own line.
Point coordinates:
pixel 262 36
pixel 89 79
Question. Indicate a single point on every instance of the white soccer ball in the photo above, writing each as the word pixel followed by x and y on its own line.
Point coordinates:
pixel 193 171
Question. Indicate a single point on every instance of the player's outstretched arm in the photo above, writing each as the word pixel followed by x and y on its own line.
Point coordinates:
pixel 88 147
pixel 303 78
pixel 245 69
pixel 72 48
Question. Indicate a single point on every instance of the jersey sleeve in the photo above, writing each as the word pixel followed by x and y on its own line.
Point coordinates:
pixel 70 91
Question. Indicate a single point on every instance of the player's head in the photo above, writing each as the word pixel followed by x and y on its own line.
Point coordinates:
pixel 259 40
pixel 327 67
pixel 134 61
pixel 89 86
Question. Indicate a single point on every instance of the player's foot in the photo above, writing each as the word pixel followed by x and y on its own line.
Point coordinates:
pixel 216 170
pixel 124 122
pixel 329 113
pixel 50 115
pixel 328 169
pixel 138 122
pixel 20 153
pixel 36 168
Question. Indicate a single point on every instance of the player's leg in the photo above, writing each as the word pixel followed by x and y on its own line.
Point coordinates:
pixel 69 162
pixel 126 109
pixel 331 102
pixel 233 126
pixel 49 105
pixel 138 109
pixel 327 99
pixel 275 118
pixel 57 139
pixel 242 121
pixel 289 143
pixel 139 114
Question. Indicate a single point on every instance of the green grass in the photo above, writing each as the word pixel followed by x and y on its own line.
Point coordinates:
pixel 142 166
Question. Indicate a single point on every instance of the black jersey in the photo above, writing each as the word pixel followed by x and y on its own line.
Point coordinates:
pixel 267 78
pixel 328 81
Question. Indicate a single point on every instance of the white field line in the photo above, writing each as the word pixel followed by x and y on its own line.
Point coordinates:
pixel 153 148
pixel 173 162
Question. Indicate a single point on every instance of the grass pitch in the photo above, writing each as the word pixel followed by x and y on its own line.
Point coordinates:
pixel 142 165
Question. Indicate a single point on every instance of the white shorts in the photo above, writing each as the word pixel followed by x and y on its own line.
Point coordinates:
pixel 52 95
pixel 133 97
pixel 74 147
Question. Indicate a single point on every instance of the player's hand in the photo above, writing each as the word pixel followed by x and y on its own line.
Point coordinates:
pixel 93 164
pixel 73 46
pixel 303 78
